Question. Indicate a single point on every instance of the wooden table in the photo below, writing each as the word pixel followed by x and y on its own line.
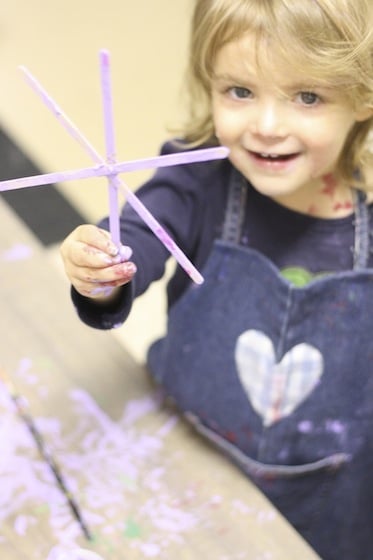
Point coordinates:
pixel 146 484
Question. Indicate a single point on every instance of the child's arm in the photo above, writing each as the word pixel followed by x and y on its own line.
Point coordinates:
pixel 94 265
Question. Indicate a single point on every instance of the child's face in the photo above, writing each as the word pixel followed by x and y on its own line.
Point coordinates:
pixel 284 136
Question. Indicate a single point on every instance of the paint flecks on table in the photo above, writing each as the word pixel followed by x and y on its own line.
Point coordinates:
pixel 17 252
pixel 96 458
pixel 63 553
pixel 132 529
pixel 119 471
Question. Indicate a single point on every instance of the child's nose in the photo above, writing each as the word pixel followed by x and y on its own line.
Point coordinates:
pixel 270 120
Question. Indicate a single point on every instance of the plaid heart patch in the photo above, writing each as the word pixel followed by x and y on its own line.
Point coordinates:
pixel 275 389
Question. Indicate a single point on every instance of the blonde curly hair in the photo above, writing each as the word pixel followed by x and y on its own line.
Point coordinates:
pixel 329 42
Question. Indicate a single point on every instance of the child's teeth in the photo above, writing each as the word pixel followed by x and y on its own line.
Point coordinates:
pixel 272 156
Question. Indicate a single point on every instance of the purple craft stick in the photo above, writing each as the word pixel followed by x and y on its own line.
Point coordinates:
pixel 132 199
pixel 110 145
pixel 60 115
pixel 167 241
pixel 103 170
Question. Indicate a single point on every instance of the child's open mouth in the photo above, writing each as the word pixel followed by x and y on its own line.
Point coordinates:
pixel 275 161
pixel 274 157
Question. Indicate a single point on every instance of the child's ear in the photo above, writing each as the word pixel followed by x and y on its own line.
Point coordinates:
pixel 364 113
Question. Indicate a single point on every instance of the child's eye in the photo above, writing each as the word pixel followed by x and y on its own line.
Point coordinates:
pixel 308 98
pixel 240 92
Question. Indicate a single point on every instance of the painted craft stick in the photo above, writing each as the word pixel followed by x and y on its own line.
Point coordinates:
pixel 103 170
pixel 20 405
pixel 110 146
pixel 132 199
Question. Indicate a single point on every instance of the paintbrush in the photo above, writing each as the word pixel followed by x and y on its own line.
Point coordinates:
pixel 21 408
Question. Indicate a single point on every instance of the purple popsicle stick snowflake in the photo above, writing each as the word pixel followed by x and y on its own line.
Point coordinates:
pixel 111 169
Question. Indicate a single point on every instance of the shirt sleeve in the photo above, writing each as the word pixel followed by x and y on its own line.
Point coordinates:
pixel 104 316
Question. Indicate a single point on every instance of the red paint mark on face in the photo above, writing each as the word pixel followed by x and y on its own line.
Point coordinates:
pixel 330 185
pixel 312 209
pixel 347 205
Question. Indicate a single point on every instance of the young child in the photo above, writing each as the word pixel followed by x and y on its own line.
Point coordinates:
pixel 271 357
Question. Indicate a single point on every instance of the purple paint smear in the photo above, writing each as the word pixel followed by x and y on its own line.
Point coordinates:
pixel 18 252
pixel 116 470
pixel 63 553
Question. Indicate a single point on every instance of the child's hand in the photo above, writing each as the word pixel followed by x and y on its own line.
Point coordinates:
pixel 93 263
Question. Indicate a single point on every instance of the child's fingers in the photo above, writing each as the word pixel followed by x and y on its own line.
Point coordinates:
pixel 121 254
pixel 93 264
pixel 94 238
pixel 118 272
pixel 94 282
pixel 82 255
pixel 91 247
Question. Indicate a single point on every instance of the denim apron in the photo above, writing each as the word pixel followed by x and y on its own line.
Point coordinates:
pixel 280 378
